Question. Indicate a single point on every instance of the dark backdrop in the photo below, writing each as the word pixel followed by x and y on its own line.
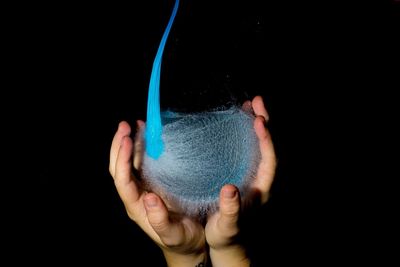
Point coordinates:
pixel 88 68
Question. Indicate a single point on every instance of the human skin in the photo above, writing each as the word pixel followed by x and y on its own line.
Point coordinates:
pixel 222 227
pixel 182 239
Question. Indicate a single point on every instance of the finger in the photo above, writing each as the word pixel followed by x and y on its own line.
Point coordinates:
pixel 259 108
pixel 171 233
pixel 266 171
pixel 123 130
pixel 139 145
pixel 124 179
pixel 229 207
pixel 247 106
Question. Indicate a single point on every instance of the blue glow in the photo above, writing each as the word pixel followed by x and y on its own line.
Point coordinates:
pixel 154 143
pixel 203 152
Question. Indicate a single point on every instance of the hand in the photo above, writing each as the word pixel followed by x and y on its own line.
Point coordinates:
pixel 181 239
pixel 222 227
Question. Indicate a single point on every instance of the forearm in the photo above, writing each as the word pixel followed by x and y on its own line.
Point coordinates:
pixel 232 256
pixel 174 259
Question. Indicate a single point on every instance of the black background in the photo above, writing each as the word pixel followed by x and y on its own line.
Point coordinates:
pixel 86 67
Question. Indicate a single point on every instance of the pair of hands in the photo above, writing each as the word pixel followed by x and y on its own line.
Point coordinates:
pixel 182 239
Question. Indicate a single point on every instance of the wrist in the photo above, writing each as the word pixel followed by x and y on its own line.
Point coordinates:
pixel 176 259
pixel 234 256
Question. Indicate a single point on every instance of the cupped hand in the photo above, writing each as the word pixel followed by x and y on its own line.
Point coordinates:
pixel 222 227
pixel 181 238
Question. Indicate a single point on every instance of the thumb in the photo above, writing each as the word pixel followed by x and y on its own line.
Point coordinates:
pixel 171 233
pixel 229 204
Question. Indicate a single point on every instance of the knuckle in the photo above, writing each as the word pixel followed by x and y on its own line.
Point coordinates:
pixel 171 242
pixel 159 225
pixel 231 211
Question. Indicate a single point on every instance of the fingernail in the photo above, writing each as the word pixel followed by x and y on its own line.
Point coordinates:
pixel 229 193
pixel 150 201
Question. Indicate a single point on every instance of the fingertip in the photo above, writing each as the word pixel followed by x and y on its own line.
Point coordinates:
pixel 140 124
pixel 258 99
pixel 124 128
pixel 150 201
pixel 247 106
pixel 257 102
pixel 229 200
pixel 122 124
pixel 229 191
